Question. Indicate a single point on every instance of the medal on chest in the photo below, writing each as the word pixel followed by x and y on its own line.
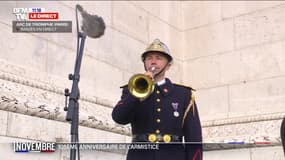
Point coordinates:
pixel 175 108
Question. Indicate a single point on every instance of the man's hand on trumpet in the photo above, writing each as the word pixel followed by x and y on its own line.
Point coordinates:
pixel 150 73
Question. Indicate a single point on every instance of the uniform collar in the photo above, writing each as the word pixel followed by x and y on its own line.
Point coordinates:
pixel 166 88
pixel 159 83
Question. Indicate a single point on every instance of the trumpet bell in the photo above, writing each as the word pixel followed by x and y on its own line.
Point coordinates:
pixel 140 86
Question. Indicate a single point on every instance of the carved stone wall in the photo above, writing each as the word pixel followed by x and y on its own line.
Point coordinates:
pixel 233 52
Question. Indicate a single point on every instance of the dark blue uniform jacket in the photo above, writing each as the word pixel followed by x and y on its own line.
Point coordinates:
pixel 162 113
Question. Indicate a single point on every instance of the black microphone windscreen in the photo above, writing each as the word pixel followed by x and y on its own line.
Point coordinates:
pixel 93 25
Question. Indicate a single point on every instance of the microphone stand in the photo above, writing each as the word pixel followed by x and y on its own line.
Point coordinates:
pixel 73 106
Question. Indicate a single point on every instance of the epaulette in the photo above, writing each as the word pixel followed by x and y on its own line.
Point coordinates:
pixel 190 105
pixel 189 87
pixel 124 86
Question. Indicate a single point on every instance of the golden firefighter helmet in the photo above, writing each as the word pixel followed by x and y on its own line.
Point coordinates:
pixel 157 46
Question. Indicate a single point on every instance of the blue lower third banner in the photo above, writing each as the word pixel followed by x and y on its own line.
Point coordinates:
pixel 49 147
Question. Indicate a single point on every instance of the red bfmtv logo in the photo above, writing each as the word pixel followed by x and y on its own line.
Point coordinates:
pixel 35 13
pixel 43 16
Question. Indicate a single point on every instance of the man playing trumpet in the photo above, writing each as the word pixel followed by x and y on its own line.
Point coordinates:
pixel 160 111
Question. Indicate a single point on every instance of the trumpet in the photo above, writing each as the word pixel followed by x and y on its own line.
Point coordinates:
pixel 141 86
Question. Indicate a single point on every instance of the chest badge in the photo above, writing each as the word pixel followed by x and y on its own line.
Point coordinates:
pixel 175 108
pixel 165 90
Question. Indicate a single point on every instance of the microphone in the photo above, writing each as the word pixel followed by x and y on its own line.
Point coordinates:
pixel 93 25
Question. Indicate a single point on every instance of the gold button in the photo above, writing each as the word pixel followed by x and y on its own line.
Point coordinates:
pixel 157 131
pixel 166 138
pixel 157 100
pixel 157 92
pixel 158 109
pixel 151 137
pixel 158 120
